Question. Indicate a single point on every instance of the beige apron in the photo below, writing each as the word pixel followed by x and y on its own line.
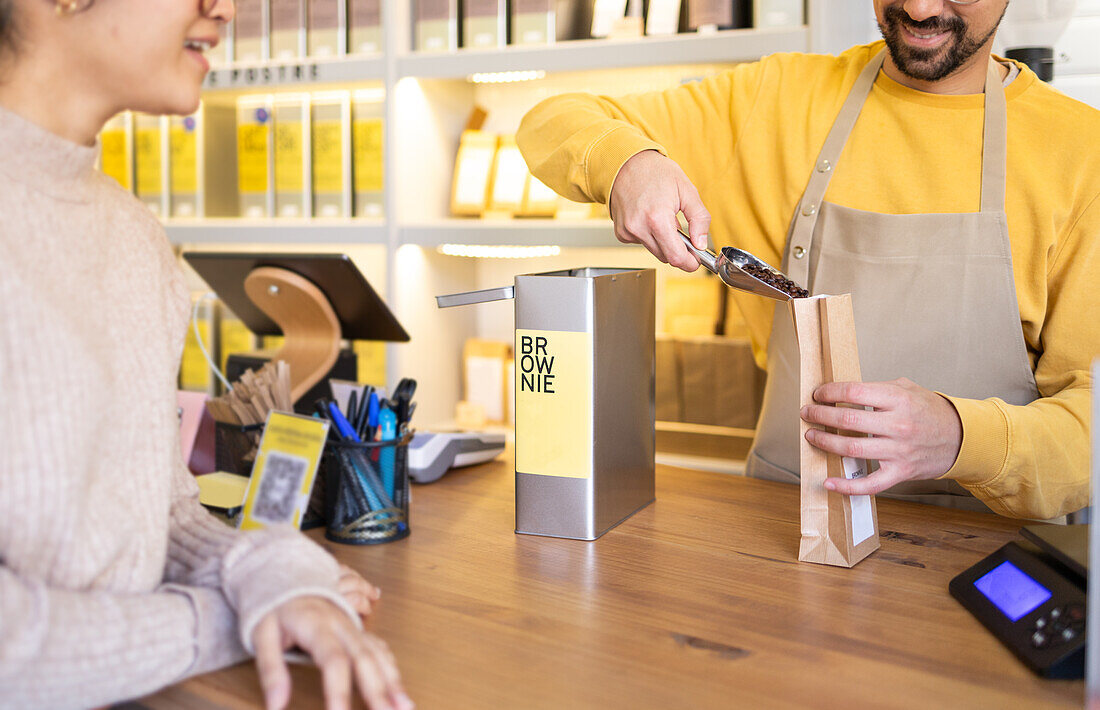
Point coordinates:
pixel 934 297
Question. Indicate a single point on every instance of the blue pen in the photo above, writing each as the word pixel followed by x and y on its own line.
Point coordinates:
pixel 387 420
pixel 372 415
pixel 342 425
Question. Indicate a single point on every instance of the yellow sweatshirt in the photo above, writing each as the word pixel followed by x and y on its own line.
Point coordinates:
pixel 748 137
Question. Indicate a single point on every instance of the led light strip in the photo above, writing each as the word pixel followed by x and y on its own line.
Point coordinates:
pixel 503 251
pixel 504 77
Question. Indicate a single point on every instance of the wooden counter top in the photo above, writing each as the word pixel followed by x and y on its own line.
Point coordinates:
pixel 695 602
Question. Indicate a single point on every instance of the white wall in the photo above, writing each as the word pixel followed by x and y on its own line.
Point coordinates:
pixel 1077 55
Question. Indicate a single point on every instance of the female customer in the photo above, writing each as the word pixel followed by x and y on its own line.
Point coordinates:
pixel 114 581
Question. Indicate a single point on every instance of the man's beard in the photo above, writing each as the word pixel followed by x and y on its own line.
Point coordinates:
pixel 934 63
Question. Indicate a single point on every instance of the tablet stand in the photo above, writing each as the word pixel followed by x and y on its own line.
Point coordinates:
pixel 306 318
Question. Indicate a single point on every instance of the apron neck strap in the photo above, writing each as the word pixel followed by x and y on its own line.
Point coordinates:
pixel 994 142
pixel 995 138
pixel 994 149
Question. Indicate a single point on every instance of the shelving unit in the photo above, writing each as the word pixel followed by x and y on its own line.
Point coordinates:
pixel 427 99
pixel 276 231
pixel 578 55
pixel 581 233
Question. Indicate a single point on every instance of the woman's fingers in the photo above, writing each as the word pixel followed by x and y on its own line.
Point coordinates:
pixel 274 677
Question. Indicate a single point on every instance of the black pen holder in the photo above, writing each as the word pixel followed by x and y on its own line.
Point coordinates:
pixel 235 447
pixel 365 495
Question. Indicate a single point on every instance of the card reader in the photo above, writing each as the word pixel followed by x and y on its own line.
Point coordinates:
pixel 431 454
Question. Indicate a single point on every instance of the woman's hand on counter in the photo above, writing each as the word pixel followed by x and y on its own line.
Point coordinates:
pixel 648 192
pixel 358 592
pixel 916 433
pixel 347 657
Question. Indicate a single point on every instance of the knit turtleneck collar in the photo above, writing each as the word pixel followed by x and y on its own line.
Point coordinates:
pixel 45 161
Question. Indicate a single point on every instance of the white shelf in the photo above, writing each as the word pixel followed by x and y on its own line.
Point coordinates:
pixel 579 233
pixel 302 73
pixel 576 55
pixel 279 231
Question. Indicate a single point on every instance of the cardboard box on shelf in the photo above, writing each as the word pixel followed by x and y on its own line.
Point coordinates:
pixel 367 146
pixel 484 23
pixel 509 178
pixel 292 156
pixel 364 26
pixel 669 405
pixel 198 186
pixel 485 368
pixel 721 385
pixel 662 17
pixel 116 149
pixel 538 199
pixel 331 154
pixel 533 21
pixel 254 151
pixel 326 28
pixel 778 13
pixel 438 27
pixel 288 29
pixel 251 31
pixel 150 158
pixel 473 172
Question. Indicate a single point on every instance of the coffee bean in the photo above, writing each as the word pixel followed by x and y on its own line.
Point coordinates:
pixel 776 281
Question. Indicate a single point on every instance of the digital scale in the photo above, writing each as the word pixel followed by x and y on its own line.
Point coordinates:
pixel 1031 596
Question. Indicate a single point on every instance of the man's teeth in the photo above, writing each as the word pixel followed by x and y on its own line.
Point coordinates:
pixel 197 45
pixel 920 36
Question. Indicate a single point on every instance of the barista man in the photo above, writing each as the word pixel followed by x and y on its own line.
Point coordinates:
pixel 954 194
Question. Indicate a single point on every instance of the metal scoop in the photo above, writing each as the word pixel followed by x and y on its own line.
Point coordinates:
pixel 727 266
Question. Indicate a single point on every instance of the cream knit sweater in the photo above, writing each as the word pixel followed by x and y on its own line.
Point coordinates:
pixel 114 581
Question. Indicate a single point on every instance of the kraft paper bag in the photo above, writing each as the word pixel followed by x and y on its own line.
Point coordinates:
pixel 836 529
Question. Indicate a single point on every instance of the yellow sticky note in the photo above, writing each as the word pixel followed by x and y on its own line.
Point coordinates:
pixel 371 362
pixel 183 146
pixel 367 148
pixel 113 155
pixel 288 156
pixel 286 465
pixel 252 157
pixel 554 403
pixel 328 156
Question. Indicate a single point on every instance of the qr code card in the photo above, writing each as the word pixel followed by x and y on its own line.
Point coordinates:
pixel 286 466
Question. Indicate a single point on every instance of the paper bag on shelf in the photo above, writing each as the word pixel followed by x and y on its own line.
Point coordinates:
pixel 836 529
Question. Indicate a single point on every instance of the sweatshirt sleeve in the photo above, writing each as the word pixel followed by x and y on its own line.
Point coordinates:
pixel 1032 461
pixel 77 649
pixel 256 570
pixel 576 143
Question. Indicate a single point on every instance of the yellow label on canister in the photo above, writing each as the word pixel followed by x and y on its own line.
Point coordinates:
pixel 286 464
pixel 554 407
pixel 113 156
pixel 367 148
pixel 328 156
pixel 183 168
pixel 147 157
pixel 252 157
pixel 289 165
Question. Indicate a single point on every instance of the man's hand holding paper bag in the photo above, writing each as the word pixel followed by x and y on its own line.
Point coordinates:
pixel 917 433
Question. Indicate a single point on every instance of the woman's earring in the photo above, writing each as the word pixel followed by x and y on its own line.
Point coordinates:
pixel 68 7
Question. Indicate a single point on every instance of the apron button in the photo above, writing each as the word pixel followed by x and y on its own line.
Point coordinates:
pixel 799 252
pixel 809 210
pixel 824 166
